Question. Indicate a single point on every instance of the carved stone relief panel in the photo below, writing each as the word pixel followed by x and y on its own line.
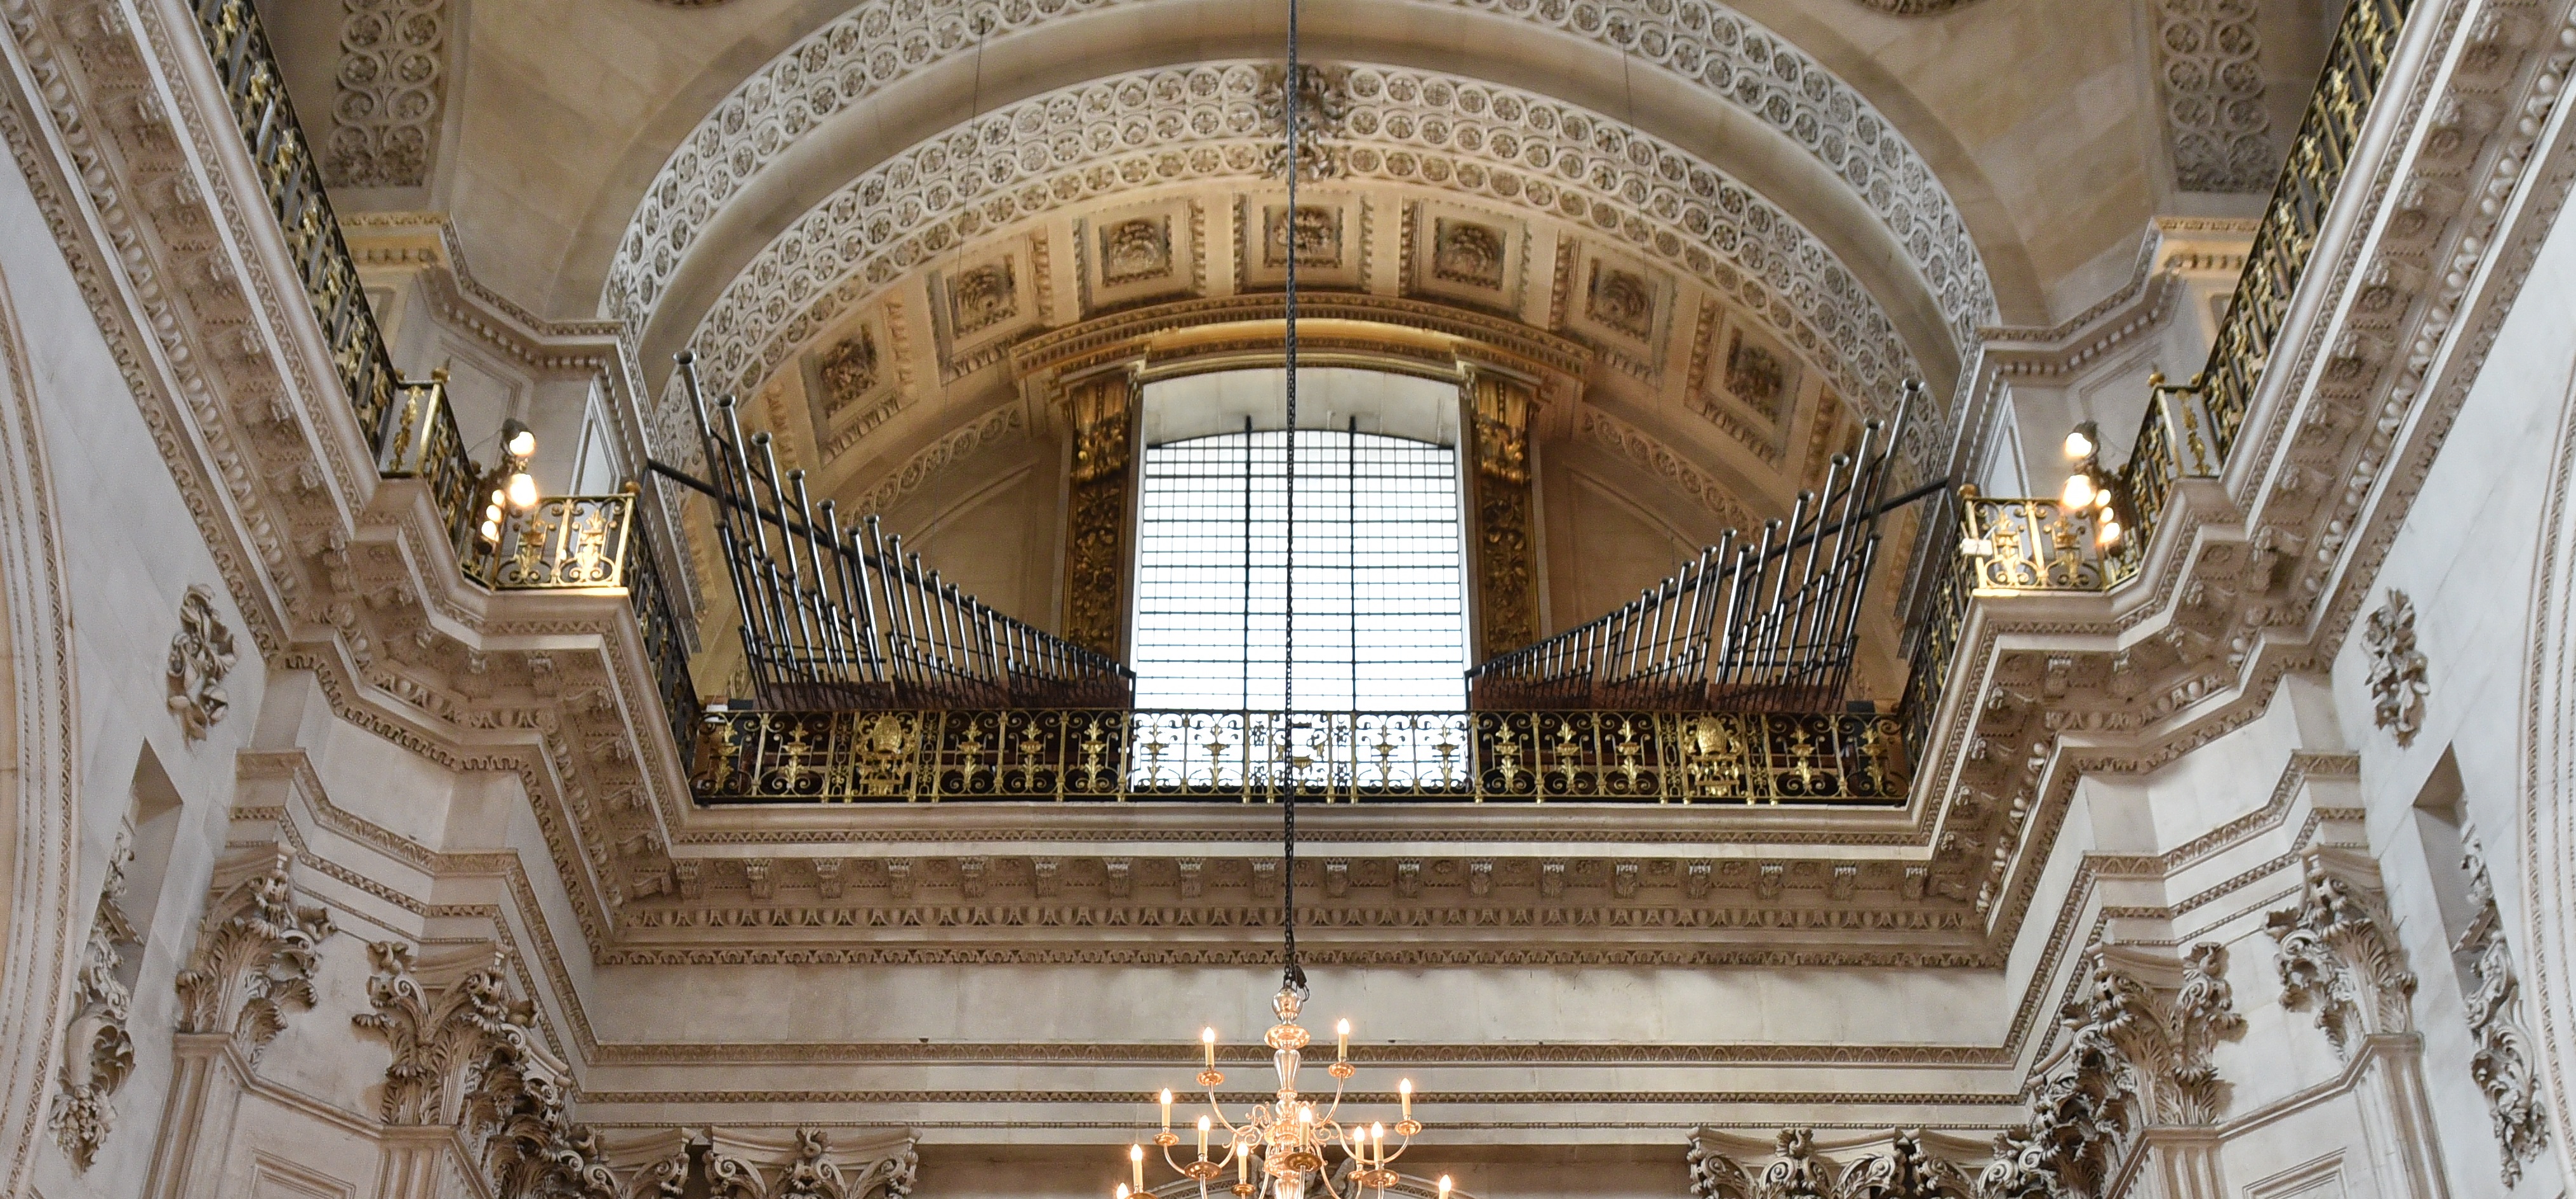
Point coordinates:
pixel 98 1050
pixel 981 303
pixel 1101 411
pixel 855 380
pixel 2216 122
pixel 1465 254
pixel 1743 381
pixel 1329 233
pixel 1903 1164
pixel 1143 253
pixel 201 654
pixel 390 84
pixel 1616 302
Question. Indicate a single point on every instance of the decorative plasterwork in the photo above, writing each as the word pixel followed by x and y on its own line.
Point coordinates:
pixel 467 1055
pixel 2502 1063
pixel 1642 448
pixel 201 654
pixel 2216 122
pixel 254 960
pixel 390 79
pixel 1728 1167
pixel 98 1051
pixel 1323 115
pixel 2397 682
pixel 1738 62
pixel 2137 1055
pixel 2339 956
pixel 1110 137
pixel 745 1164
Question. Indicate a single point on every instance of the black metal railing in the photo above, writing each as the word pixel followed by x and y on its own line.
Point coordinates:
pixel 1763 622
pixel 838 617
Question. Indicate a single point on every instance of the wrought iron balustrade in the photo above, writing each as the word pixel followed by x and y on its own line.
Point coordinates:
pixel 562 542
pixel 1765 622
pixel 1122 755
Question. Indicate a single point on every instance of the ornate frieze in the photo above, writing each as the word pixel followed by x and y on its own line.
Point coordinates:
pixel 2137 1055
pixel 747 1164
pixel 2216 121
pixel 2502 1063
pixel 2397 683
pixel 1098 542
pixel 254 959
pixel 201 654
pixel 390 82
pixel 1905 1169
pixel 2339 956
pixel 98 1051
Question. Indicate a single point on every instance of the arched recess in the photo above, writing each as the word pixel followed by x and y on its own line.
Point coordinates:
pixel 1694 75
pixel 2548 816
pixel 40 828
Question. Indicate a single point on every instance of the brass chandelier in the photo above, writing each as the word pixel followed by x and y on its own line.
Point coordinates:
pixel 1286 1148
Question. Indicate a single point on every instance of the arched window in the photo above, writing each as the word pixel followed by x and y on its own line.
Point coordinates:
pixel 1380 580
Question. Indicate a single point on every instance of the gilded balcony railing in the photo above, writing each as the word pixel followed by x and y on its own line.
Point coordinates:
pixel 1119 755
pixel 562 542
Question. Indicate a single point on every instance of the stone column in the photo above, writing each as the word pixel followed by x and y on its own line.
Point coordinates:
pixel 1502 515
pixel 1100 502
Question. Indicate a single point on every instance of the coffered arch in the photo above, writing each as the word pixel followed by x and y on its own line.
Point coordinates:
pixel 1692 75
pixel 1408 133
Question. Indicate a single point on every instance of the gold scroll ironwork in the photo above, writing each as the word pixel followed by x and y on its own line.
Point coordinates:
pixel 1119 755
pixel 1504 545
pixel 1098 544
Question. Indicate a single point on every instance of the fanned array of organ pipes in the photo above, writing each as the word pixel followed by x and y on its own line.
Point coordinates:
pixel 840 617
pixel 1763 623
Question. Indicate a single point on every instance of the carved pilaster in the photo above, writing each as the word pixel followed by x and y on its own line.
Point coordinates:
pixel 2339 955
pixel 254 960
pixel 2502 1063
pixel 2137 1055
pixel 466 1055
pixel 1099 546
pixel 98 1052
pixel 1502 536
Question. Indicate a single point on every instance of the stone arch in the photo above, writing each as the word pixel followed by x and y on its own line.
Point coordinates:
pixel 39 835
pixel 1496 145
pixel 2548 807
pixel 1717 79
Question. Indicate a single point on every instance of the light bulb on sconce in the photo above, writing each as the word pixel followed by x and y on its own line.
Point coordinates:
pixel 523 443
pixel 2079 491
pixel 2082 441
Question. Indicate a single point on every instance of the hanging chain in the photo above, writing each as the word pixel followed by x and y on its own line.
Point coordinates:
pixel 1294 977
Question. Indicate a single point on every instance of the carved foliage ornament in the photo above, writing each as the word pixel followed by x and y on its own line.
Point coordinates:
pixel 1102 411
pixel 2136 1055
pixel 1907 1170
pixel 2339 955
pixel 1505 548
pixel 1323 111
pixel 98 1052
pixel 2502 1063
pixel 740 1167
pixel 254 960
pixel 1136 250
pixel 2397 684
pixel 384 111
pixel 1467 252
pixel 201 654
pixel 467 1056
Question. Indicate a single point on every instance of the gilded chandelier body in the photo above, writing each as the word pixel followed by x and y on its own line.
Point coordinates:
pixel 1285 1149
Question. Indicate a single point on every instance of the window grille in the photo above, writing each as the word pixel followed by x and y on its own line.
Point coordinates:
pixel 1380 587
